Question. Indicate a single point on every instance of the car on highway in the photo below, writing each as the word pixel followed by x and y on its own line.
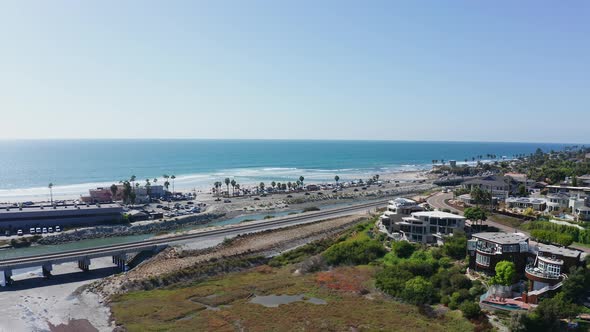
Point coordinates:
pixel 19 232
pixel 32 230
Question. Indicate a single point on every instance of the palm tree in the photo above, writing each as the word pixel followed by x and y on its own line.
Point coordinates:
pixel 289 185
pixel 284 186
pixel 336 178
pixel 155 180
pixel 261 186
pixel 172 177
pixel 233 187
pixel 114 189
pixel 273 184
pixel 238 188
pixel 50 186
pixel 132 180
pixel 301 178
pixel 227 182
pixel 166 183
pixel 148 186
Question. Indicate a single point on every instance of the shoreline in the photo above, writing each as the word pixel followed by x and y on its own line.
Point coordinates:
pixel 187 183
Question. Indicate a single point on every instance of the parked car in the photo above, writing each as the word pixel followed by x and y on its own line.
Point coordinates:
pixel 226 201
pixel 57 229
pixel 19 232
pixel 190 202
pixel 159 206
pixel 307 194
pixel 50 229
pixel 256 198
pixel 44 230
pixel 32 230
pixel 38 230
pixel 289 196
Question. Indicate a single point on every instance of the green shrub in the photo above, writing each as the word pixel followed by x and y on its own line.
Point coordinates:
pixel 403 249
pixel 392 280
pixel 471 310
pixel 418 290
pixel 354 252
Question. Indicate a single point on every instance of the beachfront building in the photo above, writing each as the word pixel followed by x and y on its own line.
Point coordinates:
pixel 550 264
pixel 143 194
pixel 14 218
pixel 487 249
pixel 429 226
pixel 499 186
pixel 522 203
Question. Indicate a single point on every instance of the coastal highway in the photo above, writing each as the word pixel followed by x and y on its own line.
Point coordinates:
pixel 226 231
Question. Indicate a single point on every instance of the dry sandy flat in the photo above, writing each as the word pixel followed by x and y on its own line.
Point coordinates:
pixel 33 303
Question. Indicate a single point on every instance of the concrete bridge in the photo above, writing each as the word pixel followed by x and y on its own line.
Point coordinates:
pixel 122 254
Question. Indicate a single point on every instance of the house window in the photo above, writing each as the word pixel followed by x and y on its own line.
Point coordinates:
pixel 550 269
pixel 482 260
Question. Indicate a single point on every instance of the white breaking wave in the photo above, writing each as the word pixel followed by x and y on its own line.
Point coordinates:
pixel 204 181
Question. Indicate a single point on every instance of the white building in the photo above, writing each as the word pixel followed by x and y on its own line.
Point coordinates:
pixel 428 226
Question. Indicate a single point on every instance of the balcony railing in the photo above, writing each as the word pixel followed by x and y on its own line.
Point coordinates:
pixel 488 250
pixel 537 272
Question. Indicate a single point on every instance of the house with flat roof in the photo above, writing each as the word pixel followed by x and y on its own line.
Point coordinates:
pixel 537 204
pixel 429 226
pixel 488 248
pixel 13 218
pixel 396 210
pixel 551 264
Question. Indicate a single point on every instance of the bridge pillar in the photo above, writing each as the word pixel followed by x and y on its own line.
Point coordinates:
pixel 46 269
pixel 121 261
pixel 5 277
pixel 84 264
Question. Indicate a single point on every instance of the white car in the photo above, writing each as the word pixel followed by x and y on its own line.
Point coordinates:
pixel 38 230
pixel 50 229
pixel 32 230
pixel 44 230
pixel 57 229
pixel 19 232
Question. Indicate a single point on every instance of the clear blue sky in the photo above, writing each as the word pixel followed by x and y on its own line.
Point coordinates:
pixel 402 70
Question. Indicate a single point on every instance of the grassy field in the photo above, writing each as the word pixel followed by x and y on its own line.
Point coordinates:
pixel 506 220
pixel 222 304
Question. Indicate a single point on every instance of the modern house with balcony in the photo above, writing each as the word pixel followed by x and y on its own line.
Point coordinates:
pixel 547 268
pixel 499 186
pixel 487 249
pixel 429 226
pixel 396 210
pixel 557 201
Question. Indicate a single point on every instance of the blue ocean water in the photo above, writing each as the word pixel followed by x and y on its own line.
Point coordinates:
pixel 27 166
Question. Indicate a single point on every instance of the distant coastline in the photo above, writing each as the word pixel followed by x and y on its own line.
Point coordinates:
pixel 74 166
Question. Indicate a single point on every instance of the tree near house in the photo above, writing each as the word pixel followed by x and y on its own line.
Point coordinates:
pixel 505 274
pixel 301 178
pixel 336 178
pixel 227 182
pixel 475 214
